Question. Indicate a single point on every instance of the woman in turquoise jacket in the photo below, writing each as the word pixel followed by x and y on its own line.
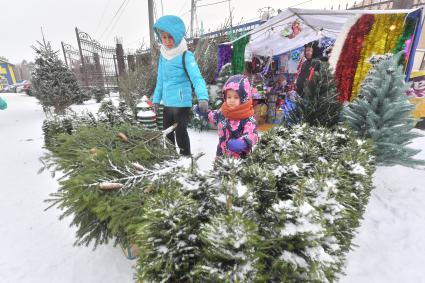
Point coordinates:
pixel 174 84
pixel 3 104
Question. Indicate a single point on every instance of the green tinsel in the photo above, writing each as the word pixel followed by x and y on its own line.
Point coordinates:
pixel 238 55
pixel 409 29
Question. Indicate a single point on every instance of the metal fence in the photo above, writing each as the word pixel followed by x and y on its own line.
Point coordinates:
pixel 99 65
pixel 99 62
pixel 73 60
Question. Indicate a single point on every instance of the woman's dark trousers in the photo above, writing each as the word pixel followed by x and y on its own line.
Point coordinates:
pixel 181 116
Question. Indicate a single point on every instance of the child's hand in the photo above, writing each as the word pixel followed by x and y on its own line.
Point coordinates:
pixel 199 112
pixel 237 145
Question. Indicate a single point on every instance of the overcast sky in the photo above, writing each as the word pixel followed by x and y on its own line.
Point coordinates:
pixel 20 20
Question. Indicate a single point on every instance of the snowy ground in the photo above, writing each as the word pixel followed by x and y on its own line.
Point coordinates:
pixel 37 247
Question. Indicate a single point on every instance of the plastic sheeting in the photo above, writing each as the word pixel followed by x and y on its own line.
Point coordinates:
pixel 268 40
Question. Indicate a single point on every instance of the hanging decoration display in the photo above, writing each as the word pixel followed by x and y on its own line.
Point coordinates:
pixel 238 56
pixel 382 38
pixel 350 55
pixel 340 40
pixel 370 35
pixel 292 30
pixel 363 36
pixel 224 54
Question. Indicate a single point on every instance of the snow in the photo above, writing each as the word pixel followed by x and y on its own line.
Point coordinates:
pixel 357 169
pixel 37 247
pixel 294 259
pixel 391 246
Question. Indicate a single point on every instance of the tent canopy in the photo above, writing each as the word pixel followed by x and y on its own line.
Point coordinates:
pixel 267 39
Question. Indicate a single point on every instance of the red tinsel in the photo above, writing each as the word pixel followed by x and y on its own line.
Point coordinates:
pixel 350 55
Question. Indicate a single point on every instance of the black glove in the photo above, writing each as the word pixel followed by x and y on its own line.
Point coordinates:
pixel 156 108
pixel 203 105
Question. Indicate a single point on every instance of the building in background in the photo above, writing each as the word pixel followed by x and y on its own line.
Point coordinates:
pixel 23 70
pixel 7 74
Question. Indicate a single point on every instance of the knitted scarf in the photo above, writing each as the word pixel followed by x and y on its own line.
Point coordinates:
pixel 173 52
pixel 240 112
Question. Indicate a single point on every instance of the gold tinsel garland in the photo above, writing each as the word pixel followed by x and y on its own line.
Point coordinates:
pixel 382 39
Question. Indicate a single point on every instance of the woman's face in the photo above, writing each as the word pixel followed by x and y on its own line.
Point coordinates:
pixel 232 98
pixel 167 40
pixel 309 52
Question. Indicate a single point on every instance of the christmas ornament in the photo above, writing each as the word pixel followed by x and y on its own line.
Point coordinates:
pixel 291 30
pixel 145 114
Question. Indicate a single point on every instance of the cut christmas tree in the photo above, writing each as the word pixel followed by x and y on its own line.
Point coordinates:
pixel 319 105
pixel 383 113
pixel 54 84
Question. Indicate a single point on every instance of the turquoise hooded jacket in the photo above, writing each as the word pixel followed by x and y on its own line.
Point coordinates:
pixel 3 104
pixel 172 84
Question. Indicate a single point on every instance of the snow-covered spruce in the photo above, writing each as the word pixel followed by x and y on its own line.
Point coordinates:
pixel 300 195
pixel 69 122
pixel 54 84
pixel 230 251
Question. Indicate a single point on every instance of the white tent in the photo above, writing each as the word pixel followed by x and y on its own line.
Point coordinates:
pixel 267 39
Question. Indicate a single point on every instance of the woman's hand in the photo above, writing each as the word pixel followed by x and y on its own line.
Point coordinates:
pixel 203 106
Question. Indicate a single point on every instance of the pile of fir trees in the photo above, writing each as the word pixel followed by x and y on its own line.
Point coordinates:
pixel 286 213
pixel 104 169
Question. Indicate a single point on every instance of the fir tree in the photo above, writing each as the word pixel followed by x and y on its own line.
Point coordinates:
pixel 319 105
pixel 54 84
pixel 126 113
pixel 98 93
pixel 109 114
pixel 168 240
pixel 231 249
pixel 382 112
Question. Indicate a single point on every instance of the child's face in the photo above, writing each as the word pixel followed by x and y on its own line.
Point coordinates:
pixel 232 98
pixel 167 40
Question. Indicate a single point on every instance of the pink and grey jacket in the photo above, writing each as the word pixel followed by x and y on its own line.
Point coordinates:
pixel 245 129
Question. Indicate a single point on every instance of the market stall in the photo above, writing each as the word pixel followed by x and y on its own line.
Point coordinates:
pixel 347 39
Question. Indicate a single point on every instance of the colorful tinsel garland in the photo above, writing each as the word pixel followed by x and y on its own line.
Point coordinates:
pixel 349 58
pixel 381 39
pixel 339 43
pixel 224 54
pixel 238 57
pixel 407 34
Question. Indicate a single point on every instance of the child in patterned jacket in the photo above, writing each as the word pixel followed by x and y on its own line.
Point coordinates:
pixel 237 128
